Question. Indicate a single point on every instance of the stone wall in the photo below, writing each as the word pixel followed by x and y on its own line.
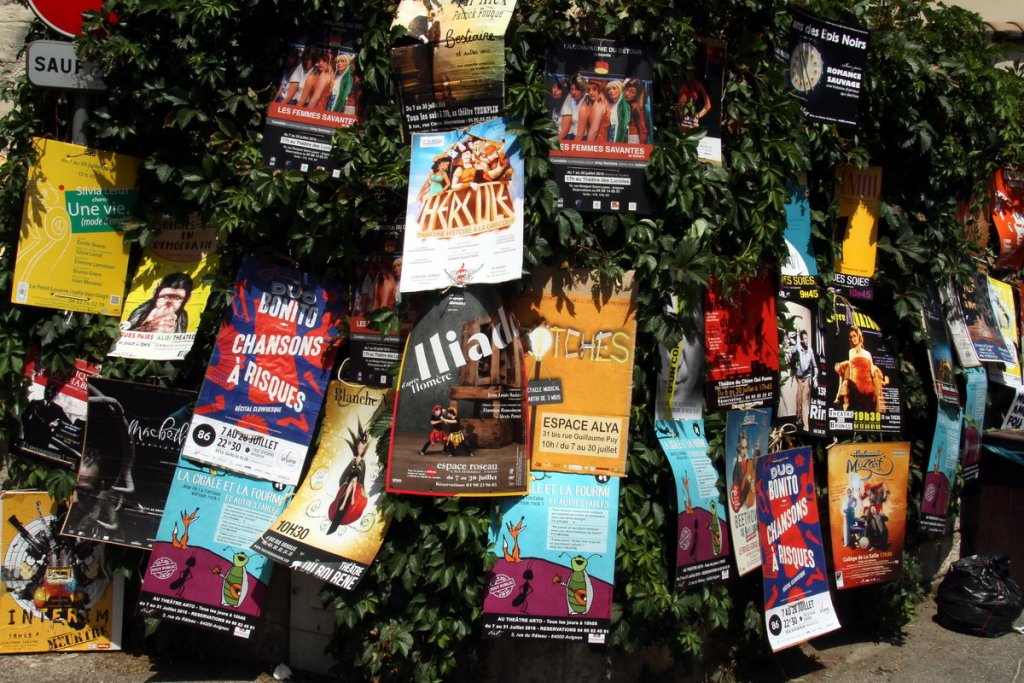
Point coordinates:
pixel 14 24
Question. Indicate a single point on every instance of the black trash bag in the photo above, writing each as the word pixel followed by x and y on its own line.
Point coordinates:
pixel 979 597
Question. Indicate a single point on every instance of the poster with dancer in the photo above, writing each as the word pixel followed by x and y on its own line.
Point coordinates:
pixel 203 571
pixel 1005 310
pixel 53 422
pixel 867 503
pixel 460 425
pixel 797 602
pixel 980 319
pixel 169 292
pixel 554 575
pixel 975 394
pixel 746 438
pixel 333 527
pixel 941 473
pixel 318 91
pixel 741 344
pixel 858 191
pixel 266 380
pixel 681 372
pixel 603 93
pixel 58 594
pixel 940 351
pixel 71 254
pixel 132 441
pixel 452 72
pixel 802 391
pixel 702 540
pixel 580 352
pixel 464 220
pixel 1008 216
pixel 699 101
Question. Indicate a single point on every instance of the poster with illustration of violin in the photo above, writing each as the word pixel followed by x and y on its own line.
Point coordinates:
pixel 555 570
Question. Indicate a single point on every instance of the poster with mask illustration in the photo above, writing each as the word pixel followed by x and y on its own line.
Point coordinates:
pixel 975 394
pixel 53 422
pixel 681 372
pixel 940 476
pixel 746 439
pixel 858 191
pixel 555 571
pixel 1008 216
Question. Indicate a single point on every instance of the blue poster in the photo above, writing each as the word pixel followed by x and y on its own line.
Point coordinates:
pixel 801 263
pixel 941 473
pixel 746 438
pixel 976 380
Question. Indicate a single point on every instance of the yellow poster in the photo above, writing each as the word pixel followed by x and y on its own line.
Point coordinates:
pixel 57 595
pixel 71 254
pixel 579 362
pixel 858 191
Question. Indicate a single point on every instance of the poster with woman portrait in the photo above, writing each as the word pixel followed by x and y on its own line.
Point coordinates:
pixel 940 476
pixel 602 95
pixel 681 372
pixel 746 439
pixel 1008 216
pixel 867 496
pixel 53 422
pixel 169 292
pixel 698 104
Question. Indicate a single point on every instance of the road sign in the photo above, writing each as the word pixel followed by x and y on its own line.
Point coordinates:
pixel 53 64
pixel 64 16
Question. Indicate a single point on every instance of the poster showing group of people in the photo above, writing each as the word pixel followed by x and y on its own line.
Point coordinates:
pixel 53 422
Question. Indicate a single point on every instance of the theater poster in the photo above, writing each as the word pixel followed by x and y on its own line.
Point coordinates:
pixel 58 594
pixel 746 439
pixel 858 191
pixel 867 503
pixel 802 392
pixel 862 382
pixel 956 325
pixel 53 422
pixel 940 476
pixel 940 351
pixel 460 421
pixel 1005 310
pixel 603 93
pixel 799 271
pixel 169 292
pixel 451 71
pixel 333 526
pixel 555 569
pixel 797 602
pixel 741 344
pixel 681 372
pixel 132 440
pixel 702 537
pixel 318 90
pixel 464 219
pixel 581 334
pixel 698 104
pixel 203 571
pixel 1008 216
pixel 266 380
pixel 975 393
pixel 981 320
pixel 71 254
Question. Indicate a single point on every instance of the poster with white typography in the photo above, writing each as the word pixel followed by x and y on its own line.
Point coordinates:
pixel 797 602
pixel 71 254
pixel 746 438
pixel 53 422
pixel 333 527
pixel 940 351
pixel 554 576
pixel 941 473
pixel 603 93
pixel 681 372
pixel 858 191
pixel 702 540
pixel 826 66
pixel 981 321
pixel 741 344
pixel 800 269
pixel 975 392
pixel 460 423
pixel 464 220
pixel 203 571
pixel 268 373
pixel 317 92
pixel 452 73
pixel 1005 309
pixel 580 354
pixel 169 292
pixel 59 595
pixel 867 502
pixel 132 440
pixel 1008 216
pixel 699 101
pixel 802 391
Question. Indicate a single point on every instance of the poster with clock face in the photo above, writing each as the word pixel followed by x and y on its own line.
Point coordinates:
pixel 825 67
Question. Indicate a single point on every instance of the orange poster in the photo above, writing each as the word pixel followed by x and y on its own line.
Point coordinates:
pixel 1008 216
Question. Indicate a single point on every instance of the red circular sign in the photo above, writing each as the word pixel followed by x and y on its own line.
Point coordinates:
pixel 64 16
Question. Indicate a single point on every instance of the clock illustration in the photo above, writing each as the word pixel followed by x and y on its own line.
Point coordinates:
pixel 805 67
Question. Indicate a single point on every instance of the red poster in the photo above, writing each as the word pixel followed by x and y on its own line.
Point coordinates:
pixel 1008 216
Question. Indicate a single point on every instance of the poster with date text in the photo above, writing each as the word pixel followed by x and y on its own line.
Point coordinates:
pixel 1008 216
pixel 53 421
pixel 802 391
pixel 858 191
pixel 746 439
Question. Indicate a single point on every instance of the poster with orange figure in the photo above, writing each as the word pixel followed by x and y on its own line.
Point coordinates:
pixel 858 191
pixel 867 496
pixel 746 439
pixel 1008 216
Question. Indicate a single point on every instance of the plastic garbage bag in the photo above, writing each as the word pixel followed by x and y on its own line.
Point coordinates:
pixel 979 597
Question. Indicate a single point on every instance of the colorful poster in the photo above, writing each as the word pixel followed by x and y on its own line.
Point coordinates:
pixel 797 603
pixel 802 391
pixel 453 73
pixel 702 542
pixel 746 438
pixel 202 571
pixel 826 67
pixel 268 373
pixel 71 255
pixel 169 292
pixel 580 353
pixel 333 527
pixel 1008 216
pixel 1005 310
pixel 699 103
pixel 957 326
pixel 867 503
pixel 741 344
pixel 53 422
pixel 940 351
pixel 981 321
pixel 941 473
pixel 681 373
pixel 603 93
pixel 801 268
pixel 58 594
pixel 132 441
pixel 460 426
pixel 554 577
pixel 858 191
pixel 464 221
pixel 862 382
pixel 976 391
pixel 317 92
